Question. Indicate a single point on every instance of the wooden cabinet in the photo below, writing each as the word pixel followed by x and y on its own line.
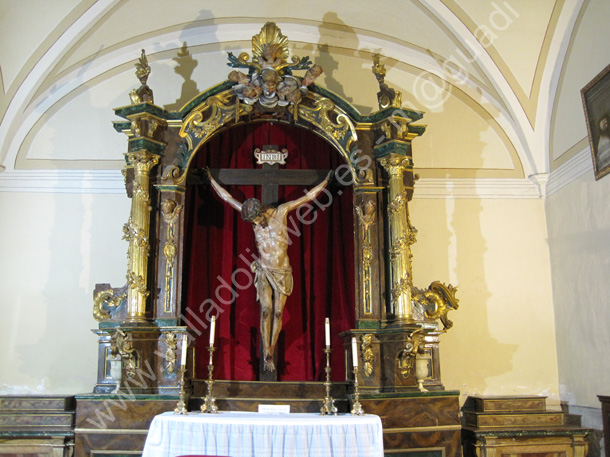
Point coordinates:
pixel 605 401
pixel 520 427
pixel 418 424
pixel 36 426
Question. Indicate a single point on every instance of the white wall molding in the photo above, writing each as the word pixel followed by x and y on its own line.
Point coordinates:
pixel 573 169
pixel 475 188
pixel 112 182
pixel 63 181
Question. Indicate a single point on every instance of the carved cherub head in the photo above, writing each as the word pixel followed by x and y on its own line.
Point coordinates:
pixel 311 74
pixel 251 91
pixel 272 54
pixel 238 77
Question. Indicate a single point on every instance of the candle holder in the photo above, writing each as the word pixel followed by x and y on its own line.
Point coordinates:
pixel 181 405
pixel 209 405
pixel 356 407
pixel 329 403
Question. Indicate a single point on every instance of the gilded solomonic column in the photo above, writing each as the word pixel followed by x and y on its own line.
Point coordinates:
pixel 401 237
pixel 137 234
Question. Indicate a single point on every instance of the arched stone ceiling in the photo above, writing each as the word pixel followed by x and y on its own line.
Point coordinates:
pixel 484 72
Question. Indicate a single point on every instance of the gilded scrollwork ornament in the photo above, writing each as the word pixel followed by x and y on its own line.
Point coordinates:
pixel 331 120
pixel 171 211
pixel 368 356
pixel 437 301
pixel 398 203
pixel 400 289
pixel 137 283
pixel 405 358
pixel 121 343
pixel 366 217
pixel 363 176
pixel 109 298
pixel 402 244
pixel 207 118
pixel 170 352
pixel 339 129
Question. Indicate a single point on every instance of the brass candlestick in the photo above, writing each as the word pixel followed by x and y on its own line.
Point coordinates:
pixel 181 406
pixel 329 403
pixel 356 407
pixel 209 405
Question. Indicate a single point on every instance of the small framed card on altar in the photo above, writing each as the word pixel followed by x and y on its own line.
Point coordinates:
pixel 274 409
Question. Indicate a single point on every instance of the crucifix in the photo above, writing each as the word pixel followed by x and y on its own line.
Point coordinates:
pixel 273 274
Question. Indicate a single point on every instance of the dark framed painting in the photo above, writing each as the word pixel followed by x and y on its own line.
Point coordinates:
pixel 596 101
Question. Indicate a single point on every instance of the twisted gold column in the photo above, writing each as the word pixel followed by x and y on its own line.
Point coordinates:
pixel 136 232
pixel 402 236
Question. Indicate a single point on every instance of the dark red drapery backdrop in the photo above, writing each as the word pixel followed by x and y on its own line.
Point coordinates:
pixel 220 246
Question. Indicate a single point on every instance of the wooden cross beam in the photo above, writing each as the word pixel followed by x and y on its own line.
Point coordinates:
pixel 270 177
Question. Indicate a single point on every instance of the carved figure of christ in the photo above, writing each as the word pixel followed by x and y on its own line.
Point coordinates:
pixel 273 273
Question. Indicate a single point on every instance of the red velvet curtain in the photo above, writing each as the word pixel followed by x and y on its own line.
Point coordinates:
pixel 220 246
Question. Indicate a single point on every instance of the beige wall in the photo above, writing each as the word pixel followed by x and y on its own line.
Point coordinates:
pixel 579 233
pixel 495 251
pixel 578 219
pixel 55 247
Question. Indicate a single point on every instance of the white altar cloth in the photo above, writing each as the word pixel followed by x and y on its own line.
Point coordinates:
pixel 246 434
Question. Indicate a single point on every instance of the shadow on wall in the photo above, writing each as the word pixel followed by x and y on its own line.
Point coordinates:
pixel 185 64
pixel 460 245
pixel 62 353
pixel 330 27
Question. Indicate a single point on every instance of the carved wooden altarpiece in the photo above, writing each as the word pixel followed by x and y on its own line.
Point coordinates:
pixel 142 324
pixel 395 321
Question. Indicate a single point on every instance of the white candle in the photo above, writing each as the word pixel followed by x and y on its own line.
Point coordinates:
pixel 327 331
pixel 354 352
pixel 184 349
pixel 212 331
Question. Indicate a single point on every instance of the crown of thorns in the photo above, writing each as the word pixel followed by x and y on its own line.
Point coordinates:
pixel 250 209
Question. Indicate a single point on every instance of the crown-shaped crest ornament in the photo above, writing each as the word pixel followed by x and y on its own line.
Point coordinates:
pixel 270 82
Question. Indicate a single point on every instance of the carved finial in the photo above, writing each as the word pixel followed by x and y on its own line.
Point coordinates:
pixel 142 68
pixel 386 95
pixel 378 69
pixel 143 93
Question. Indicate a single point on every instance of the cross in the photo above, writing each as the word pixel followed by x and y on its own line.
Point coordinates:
pixel 270 177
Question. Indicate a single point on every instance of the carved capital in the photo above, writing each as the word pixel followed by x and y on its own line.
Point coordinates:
pixel 395 164
pixel 142 161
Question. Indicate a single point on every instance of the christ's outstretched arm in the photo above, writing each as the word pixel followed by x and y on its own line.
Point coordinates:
pixel 222 192
pixel 309 195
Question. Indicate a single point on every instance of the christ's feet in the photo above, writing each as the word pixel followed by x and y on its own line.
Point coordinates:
pixel 269 365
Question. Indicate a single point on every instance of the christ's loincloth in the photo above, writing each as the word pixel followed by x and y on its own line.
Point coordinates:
pixel 280 280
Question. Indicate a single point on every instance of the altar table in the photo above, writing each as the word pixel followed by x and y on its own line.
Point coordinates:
pixel 247 434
